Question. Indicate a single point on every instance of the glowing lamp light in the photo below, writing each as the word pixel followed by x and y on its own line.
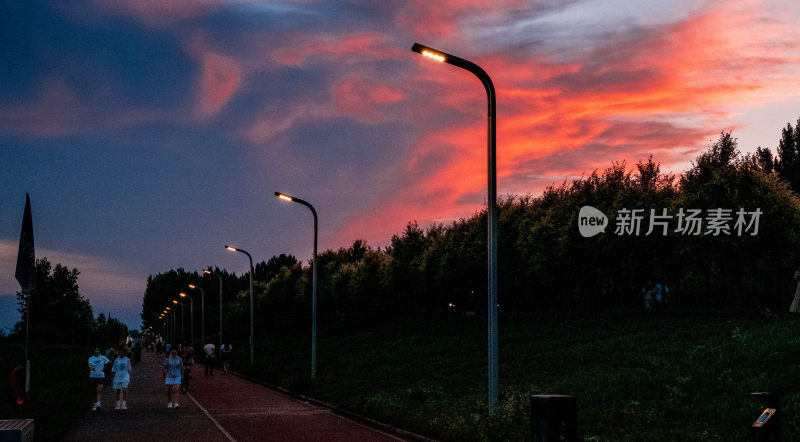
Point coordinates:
pixel 451 305
pixel 182 295
pixel 232 249
pixel 174 301
pixel 192 286
pixel 433 55
pixel 283 196
pixel 207 272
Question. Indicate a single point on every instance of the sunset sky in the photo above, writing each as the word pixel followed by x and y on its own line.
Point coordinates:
pixel 151 133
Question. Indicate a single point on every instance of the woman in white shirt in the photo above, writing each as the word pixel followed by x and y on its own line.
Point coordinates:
pixel 97 363
pixel 173 366
pixel 122 376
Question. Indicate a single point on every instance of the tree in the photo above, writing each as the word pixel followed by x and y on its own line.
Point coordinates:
pixel 788 165
pixel 265 271
pixel 58 312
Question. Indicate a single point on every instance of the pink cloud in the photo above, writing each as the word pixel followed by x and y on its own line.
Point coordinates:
pixel 220 77
pixel 665 90
pixel 361 98
pixel 343 49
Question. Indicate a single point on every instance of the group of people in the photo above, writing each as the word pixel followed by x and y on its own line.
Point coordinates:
pixel 654 295
pixel 177 371
pixel 121 370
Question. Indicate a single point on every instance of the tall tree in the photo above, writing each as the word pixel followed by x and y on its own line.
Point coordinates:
pixel 58 312
pixel 788 167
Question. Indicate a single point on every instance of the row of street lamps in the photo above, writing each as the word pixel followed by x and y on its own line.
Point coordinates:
pixel 286 197
pixel 442 57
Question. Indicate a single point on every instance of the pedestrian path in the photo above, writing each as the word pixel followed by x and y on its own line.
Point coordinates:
pixel 218 408
pixel 147 417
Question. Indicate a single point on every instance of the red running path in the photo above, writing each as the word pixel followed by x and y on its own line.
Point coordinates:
pixel 221 408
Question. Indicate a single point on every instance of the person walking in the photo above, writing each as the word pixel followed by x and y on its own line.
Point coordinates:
pixel 97 375
pixel 173 366
pixel 225 352
pixel 187 354
pixel 208 351
pixel 122 376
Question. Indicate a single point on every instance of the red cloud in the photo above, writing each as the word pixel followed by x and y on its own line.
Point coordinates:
pixel 360 97
pixel 220 77
pixel 665 90
pixel 344 49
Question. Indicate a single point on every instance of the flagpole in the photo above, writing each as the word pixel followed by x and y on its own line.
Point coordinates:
pixel 26 276
pixel 27 320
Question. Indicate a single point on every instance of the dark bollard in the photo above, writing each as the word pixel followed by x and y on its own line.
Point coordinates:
pixel 768 425
pixel 554 417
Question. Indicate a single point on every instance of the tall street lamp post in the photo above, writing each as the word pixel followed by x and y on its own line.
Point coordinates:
pixel 209 272
pixel 285 197
pixel 172 323
pixel 175 301
pixel 191 313
pixel 252 351
pixel 492 203
pixel 202 312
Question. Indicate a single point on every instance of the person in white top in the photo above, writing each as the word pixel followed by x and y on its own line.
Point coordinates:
pixel 122 376
pixel 97 363
pixel 209 350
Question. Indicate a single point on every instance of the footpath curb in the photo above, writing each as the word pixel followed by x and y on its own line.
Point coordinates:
pixel 340 411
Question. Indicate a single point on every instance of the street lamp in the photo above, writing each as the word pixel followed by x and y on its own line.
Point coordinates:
pixel 285 197
pixel 209 272
pixel 172 323
pixel 492 203
pixel 252 351
pixel 191 313
pixel 202 312
pixel 183 323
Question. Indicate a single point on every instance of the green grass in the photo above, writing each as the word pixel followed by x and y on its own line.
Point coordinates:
pixel 635 378
pixel 60 392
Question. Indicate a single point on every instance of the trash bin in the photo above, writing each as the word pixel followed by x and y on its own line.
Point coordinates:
pixel 554 417
pixel 768 425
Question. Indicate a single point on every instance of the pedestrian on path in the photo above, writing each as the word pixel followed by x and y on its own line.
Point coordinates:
pixel 122 376
pixel 209 350
pixel 187 355
pixel 173 366
pixel 225 352
pixel 97 375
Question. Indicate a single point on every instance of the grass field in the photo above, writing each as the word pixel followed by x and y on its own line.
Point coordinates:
pixel 60 393
pixel 653 378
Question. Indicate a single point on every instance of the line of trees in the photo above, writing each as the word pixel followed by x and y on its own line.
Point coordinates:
pixel 544 263
pixel 59 314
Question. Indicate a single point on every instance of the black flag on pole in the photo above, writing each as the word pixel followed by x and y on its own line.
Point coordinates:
pixel 26 258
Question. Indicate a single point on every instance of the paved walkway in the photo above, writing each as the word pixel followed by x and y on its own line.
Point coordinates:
pixel 218 408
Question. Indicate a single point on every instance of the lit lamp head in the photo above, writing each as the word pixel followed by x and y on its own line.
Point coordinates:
pixel 174 301
pixel 207 272
pixel 182 295
pixel 232 249
pixel 284 196
pixel 429 53
pixel 192 286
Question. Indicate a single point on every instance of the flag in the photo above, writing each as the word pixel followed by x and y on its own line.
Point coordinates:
pixel 26 258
